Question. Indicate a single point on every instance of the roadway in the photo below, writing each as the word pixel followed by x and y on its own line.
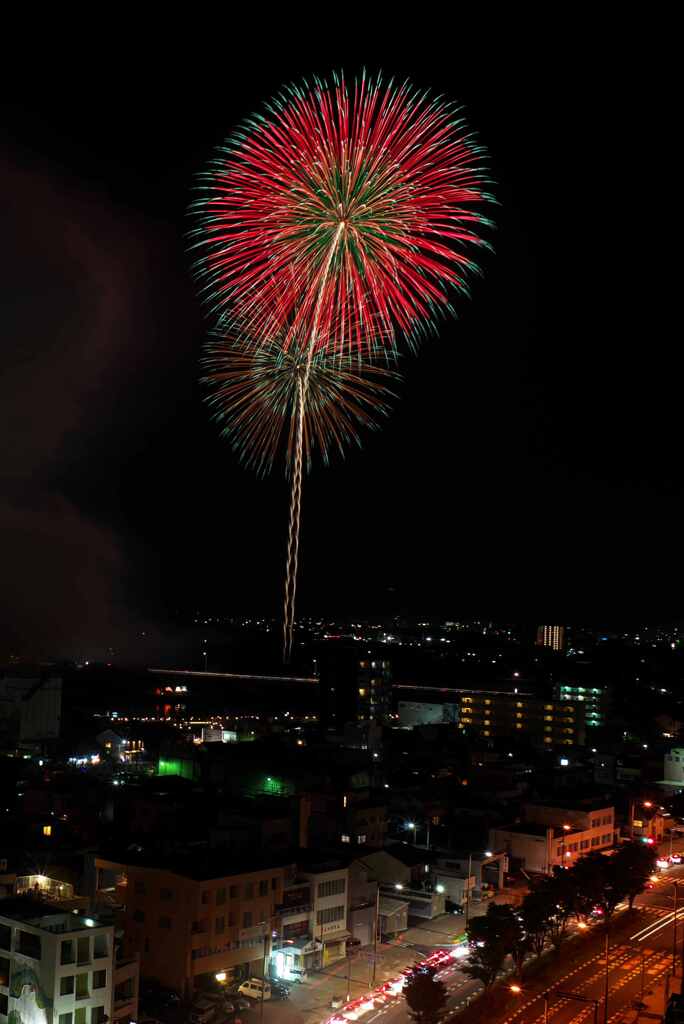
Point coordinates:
pixel 640 956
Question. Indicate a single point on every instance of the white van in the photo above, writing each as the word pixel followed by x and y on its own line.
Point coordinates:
pixel 254 987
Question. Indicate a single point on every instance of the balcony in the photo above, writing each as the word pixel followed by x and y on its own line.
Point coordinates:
pixel 290 910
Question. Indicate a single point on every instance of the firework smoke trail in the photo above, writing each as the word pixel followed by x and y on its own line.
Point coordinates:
pixel 296 493
pixel 267 398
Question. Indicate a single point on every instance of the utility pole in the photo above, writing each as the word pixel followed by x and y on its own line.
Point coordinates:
pixel 467 907
pixel 375 931
pixel 267 926
pixel 546 1006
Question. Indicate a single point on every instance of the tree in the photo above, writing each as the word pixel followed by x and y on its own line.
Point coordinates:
pixel 514 936
pixel 426 997
pixel 556 896
pixel 534 912
pixel 632 866
pixel 488 939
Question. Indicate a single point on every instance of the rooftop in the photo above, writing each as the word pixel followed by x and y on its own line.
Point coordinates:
pixel 41 914
pixel 529 828
pixel 201 865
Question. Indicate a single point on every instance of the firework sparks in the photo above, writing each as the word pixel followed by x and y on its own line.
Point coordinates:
pixel 254 392
pixel 352 214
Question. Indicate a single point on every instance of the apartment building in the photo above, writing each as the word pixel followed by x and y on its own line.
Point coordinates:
pixel 56 967
pixel 545 722
pixel 188 918
pixel 553 836
pixel 311 922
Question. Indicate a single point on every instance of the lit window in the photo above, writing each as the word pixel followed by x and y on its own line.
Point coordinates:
pixel 362 692
pixel 518 725
pixel 485 732
pixel 345 839
pixel 548 707
pixel 519 704
pixel 518 714
pixel 548 718
pixel 487 701
pixel 547 739
pixel 547 728
pixel 47 830
pixel 467 720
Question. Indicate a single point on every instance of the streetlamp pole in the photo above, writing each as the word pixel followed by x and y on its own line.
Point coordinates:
pixel 605 997
pixel 675 886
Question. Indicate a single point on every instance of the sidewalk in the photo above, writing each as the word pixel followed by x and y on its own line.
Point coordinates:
pixel 312 1000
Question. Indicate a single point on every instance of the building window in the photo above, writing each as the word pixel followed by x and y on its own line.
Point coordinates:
pixel 97 1015
pixel 80 1015
pixel 485 732
pixel 139 916
pixel 167 894
pixel 234 892
pixel 249 891
pixel 4 972
pixel 607 838
pixel 28 944
pixel 263 887
pixel 274 883
pixel 47 830
pixel 165 922
pixel 220 925
pixel 82 991
pixel 66 985
pixel 595 841
pixel 547 739
pixel 232 919
pixel 64 1018
pixel 360 840
pixel 247 919
pixel 330 914
pixel 584 844
pixel 101 948
pixel 220 896
pixel 67 952
pixel 205 896
pixel 333 887
pixel 5 937
pixel 139 888
pixel 518 725
pixel 83 951
pixel 100 977
pixel 4 1008
pixel 345 839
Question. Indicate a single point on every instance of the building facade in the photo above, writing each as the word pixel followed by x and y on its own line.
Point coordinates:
pixel 493 713
pixel 551 636
pixel 186 923
pixel 595 700
pixel 55 967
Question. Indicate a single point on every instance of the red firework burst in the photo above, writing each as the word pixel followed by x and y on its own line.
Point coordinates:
pixel 346 214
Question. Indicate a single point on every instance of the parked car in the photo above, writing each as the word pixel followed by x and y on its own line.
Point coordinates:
pixel 255 988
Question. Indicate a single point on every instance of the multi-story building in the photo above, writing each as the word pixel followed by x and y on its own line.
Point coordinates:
pixel 56 967
pixel 674 767
pixel 194 918
pixel 551 636
pixel 545 722
pixel 311 921
pixel 353 687
pixel 552 835
pixel 596 700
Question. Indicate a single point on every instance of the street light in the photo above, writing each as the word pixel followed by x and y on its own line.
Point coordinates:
pixel 516 990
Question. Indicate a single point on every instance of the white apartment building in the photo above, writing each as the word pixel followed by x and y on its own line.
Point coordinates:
pixel 56 966
pixel 674 767
pixel 552 836
pixel 329 890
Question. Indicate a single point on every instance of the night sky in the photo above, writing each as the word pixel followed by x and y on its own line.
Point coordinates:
pixel 532 467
